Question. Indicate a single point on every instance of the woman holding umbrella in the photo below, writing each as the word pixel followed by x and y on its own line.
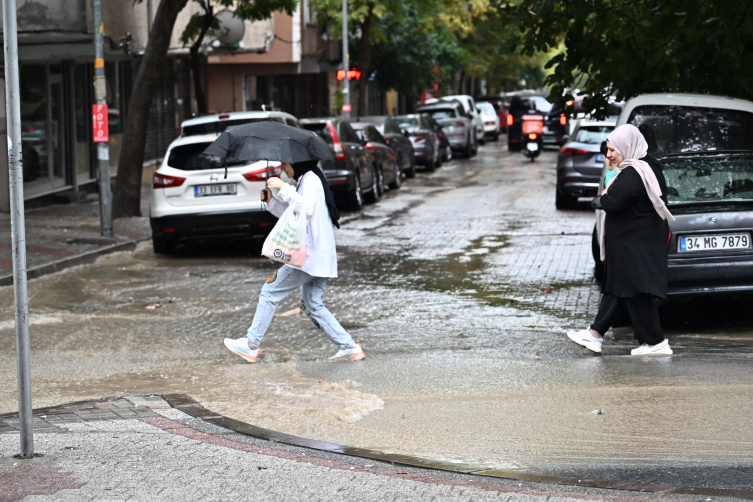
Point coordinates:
pixel 633 246
pixel 317 205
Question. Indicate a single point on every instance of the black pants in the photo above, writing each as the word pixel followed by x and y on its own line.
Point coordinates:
pixel 644 316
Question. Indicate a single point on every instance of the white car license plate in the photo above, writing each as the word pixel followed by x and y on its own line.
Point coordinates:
pixel 221 189
pixel 714 242
pixel 532 146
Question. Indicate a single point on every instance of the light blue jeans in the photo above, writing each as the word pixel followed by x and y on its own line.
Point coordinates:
pixel 278 287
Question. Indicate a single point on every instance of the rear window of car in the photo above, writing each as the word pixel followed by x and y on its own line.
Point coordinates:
pixel 408 123
pixel 487 108
pixel 445 113
pixel 187 157
pixel 526 103
pixel 220 125
pixel 321 129
pixel 593 135
pixel 677 129
pixel 704 179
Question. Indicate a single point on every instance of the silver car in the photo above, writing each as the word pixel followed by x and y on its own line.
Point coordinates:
pixel 705 144
pixel 425 140
pixel 455 125
pixel 580 162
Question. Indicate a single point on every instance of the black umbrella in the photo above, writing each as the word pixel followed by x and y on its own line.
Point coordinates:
pixel 269 140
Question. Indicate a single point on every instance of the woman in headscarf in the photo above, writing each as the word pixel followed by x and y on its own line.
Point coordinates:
pixel 315 201
pixel 633 243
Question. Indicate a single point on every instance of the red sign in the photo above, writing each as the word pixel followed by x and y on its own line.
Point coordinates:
pixel 346 108
pixel 99 123
pixel 352 74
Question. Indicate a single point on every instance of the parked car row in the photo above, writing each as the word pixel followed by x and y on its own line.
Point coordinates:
pixel 193 199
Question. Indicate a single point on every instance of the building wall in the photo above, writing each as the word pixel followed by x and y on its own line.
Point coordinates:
pixel 46 15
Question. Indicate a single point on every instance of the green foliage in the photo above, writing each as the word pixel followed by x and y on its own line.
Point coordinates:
pixel 627 47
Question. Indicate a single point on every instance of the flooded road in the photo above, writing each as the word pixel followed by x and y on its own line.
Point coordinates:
pixel 459 286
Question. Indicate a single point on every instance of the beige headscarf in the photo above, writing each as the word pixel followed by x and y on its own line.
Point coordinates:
pixel 628 141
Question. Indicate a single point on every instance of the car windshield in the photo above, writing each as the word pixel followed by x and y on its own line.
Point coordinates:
pixel 706 179
pixel 186 157
pixel 677 129
pixel 409 123
pixel 219 126
pixel 593 135
pixel 321 130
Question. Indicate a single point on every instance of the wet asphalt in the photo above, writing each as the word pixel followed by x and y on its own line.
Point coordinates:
pixel 459 286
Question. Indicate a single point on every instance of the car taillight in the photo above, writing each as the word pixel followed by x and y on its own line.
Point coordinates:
pixel 563 119
pixel 489 123
pixel 165 181
pixel 369 146
pixel 573 151
pixel 669 239
pixel 532 135
pixel 509 120
pixel 460 123
pixel 419 137
pixel 265 173
pixel 339 150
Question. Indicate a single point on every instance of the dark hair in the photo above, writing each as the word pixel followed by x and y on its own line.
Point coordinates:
pixel 301 168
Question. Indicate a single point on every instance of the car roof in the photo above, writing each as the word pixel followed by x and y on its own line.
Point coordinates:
pixel 361 125
pixel 318 119
pixel 683 99
pixel 234 116
pixel 597 123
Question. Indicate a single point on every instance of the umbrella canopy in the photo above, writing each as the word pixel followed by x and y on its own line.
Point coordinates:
pixel 269 140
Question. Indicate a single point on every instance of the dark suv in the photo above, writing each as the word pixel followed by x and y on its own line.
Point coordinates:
pixel 350 176
pixel 555 120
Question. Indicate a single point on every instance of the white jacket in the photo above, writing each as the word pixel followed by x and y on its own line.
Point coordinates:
pixel 321 256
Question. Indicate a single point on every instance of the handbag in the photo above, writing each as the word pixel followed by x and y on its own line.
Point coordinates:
pixel 286 242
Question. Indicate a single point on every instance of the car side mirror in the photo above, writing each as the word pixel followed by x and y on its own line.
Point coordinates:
pixel 406 133
pixel 603 147
pixel 596 203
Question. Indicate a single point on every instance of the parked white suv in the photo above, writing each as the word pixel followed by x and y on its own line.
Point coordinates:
pixel 192 199
pixel 472 112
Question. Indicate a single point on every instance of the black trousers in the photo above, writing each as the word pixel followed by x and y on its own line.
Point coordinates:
pixel 643 312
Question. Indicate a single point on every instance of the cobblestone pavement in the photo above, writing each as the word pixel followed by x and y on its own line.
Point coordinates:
pixel 140 448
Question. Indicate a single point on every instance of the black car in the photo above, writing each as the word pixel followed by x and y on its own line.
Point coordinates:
pixel 385 158
pixel 555 120
pixel 351 175
pixel 397 140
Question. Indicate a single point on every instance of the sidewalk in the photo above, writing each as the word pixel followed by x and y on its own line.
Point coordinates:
pixel 169 447
pixel 66 235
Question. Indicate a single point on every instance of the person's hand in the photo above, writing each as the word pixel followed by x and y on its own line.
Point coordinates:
pixel 609 163
pixel 275 183
pixel 604 192
pixel 266 195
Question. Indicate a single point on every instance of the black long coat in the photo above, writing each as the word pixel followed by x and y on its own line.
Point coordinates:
pixel 635 236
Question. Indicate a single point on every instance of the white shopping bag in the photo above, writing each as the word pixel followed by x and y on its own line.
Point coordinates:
pixel 287 241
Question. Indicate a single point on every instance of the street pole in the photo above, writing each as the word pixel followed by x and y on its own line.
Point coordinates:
pixel 346 63
pixel 100 117
pixel 18 227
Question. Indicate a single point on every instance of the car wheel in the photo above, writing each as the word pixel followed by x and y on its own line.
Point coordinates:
pixel 373 194
pixel 482 141
pixel 564 201
pixel 380 181
pixel 513 147
pixel 474 147
pixel 439 160
pixel 354 198
pixel 163 245
pixel 430 166
pixel 411 172
pixel 398 177
pixel 598 264
pixel 468 149
pixel 448 154
pixel 496 136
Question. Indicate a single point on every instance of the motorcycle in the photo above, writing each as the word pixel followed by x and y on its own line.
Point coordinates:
pixel 533 136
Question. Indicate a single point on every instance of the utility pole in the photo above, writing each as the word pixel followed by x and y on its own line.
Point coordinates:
pixel 18 228
pixel 346 63
pixel 99 118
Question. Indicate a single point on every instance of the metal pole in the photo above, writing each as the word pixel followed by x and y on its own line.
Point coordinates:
pixel 103 150
pixel 346 61
pixel 18 227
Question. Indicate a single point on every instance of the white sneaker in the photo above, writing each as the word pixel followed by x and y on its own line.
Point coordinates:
pixel 660 349
pixel 241 347
pixel 353 353
pixel 584 338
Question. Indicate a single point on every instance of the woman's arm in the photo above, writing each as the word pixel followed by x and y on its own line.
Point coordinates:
pixel 305 200
pixel 622 193
pixel 276 207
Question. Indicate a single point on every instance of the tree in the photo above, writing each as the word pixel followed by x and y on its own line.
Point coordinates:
pixel 201 23
pixel 366 15
pixel 127 194
pixel 627 47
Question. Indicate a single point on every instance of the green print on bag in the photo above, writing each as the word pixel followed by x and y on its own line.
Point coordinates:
pixel 287 241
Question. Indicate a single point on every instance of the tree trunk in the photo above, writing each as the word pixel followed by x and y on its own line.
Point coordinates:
pixel 364 61
pixel 127 193
pixel 195 58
